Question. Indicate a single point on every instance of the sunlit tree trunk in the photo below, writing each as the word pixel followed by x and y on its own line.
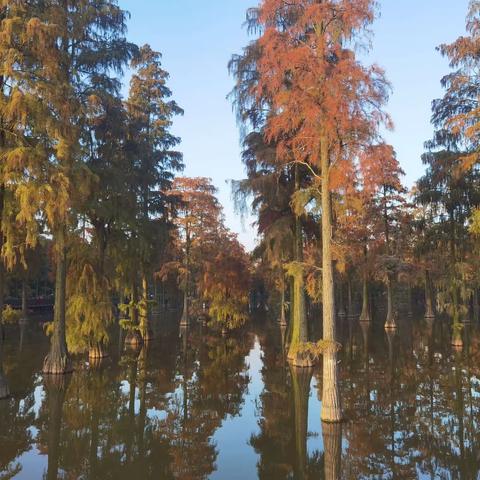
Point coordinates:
pixel 299 333
pixel 390 322
pixel 331 407
pixel 57 361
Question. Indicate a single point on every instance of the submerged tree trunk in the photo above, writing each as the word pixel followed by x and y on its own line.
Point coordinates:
pixel 301 379
pixel 390 322
pixel 299 332
pixel 429 311
pixel 332 447
pixel 331 406
pixel 57 362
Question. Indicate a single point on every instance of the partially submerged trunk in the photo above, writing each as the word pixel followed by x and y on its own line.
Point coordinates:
pixel 185 320
pixel 133 339
pixel 341 301
pixel 97 352
pixel 390 321
pixel 57 362
pixel 332 447
pixel 299 333
pixel 331 406
pixel 365 315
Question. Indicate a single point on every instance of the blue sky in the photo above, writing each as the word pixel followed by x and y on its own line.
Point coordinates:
pixel 198 37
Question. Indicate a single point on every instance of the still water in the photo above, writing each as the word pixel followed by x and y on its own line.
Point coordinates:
pixel 196 406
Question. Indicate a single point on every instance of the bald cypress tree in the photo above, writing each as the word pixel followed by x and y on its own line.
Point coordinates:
pixel 63 55
pixel 153 163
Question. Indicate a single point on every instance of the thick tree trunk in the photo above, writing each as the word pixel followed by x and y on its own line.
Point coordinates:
pixel 429 311
pixel 331 406
pixel 301 379
pixel 390 321
pixel 97 352
pixel 299 332
pixel 57 362
pixel 332 447
pixel 185 320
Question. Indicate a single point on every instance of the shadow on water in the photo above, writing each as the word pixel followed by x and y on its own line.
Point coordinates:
pixel 194 405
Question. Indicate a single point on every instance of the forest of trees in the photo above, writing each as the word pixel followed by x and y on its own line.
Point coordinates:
pixel 95 212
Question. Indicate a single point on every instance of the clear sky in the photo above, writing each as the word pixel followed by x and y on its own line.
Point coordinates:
pixel 198 37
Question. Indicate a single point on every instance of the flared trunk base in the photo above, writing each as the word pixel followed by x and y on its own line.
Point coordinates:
pixel 301 359
pixel 97 353
pixel 57 364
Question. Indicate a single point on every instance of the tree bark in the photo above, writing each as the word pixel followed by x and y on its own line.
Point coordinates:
pixel 4 390
pixel 299 318
pixel 390 322
pixel 365 315
pixel 331 406
pixel 57 362
pixel 282 320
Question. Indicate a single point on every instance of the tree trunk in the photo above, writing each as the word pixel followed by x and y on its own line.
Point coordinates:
pixel 331 406
pixel 57 362
pixel 145 327
pixel 429 311
pixel 390 322
pixel 365 315
pixel 185 320
pixel 282 320
pixel 301 379
pixel 350 298
pixel 299 318
pixel 332 447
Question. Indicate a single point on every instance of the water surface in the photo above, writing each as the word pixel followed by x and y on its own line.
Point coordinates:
pixel 194 405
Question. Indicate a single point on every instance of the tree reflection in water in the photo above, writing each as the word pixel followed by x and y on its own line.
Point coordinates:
pixel 412 407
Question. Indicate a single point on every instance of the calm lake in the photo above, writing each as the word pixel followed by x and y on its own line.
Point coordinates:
pixel 196 406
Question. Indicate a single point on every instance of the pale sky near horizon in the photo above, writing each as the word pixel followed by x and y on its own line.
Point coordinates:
pixel 198 37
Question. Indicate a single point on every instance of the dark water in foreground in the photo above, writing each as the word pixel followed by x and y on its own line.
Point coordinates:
pixel 206 407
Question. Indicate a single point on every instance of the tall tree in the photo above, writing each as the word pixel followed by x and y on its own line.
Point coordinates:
pixel 324 105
